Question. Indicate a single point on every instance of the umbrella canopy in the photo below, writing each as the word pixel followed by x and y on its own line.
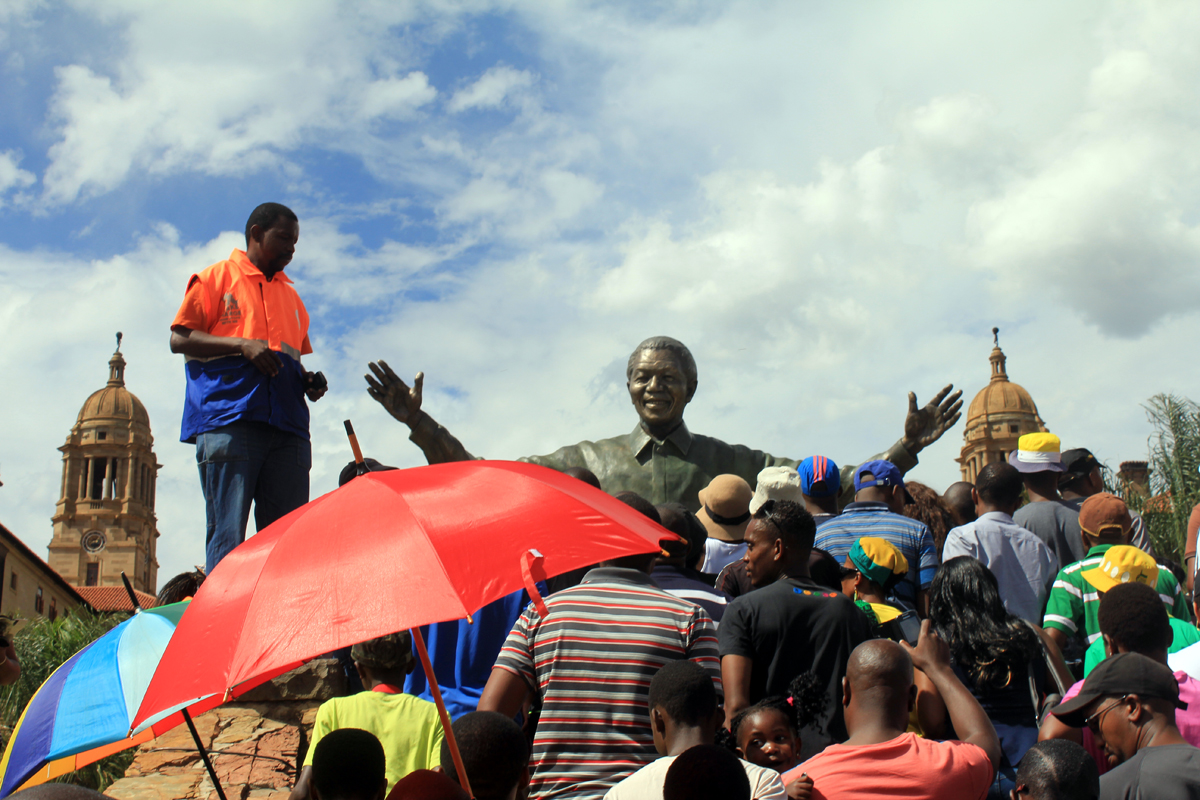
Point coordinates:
pixel 386 552
pixel 83 711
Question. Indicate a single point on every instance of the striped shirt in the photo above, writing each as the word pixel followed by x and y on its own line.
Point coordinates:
pixel 591 661
pixel 911 537
pixel 1074 602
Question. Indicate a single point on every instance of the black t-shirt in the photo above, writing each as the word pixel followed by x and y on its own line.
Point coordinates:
pixel 791 627
pixel 1155 773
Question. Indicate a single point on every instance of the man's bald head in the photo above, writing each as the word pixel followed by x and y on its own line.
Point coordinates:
pixel 962 504
pixel 879 664
pixel 878 686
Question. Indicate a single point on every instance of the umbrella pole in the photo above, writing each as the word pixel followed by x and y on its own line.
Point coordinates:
pixel 212 773
pixel 441 707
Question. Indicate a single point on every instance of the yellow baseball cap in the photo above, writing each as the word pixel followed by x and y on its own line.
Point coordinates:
pixel 1123 563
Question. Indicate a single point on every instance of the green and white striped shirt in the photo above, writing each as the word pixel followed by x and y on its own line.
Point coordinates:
pixel 1074 602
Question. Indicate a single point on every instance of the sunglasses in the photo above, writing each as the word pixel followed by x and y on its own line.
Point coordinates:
pixel 1093 722
pixel 848 572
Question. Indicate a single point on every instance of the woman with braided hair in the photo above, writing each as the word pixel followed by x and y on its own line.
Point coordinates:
pixel 998 656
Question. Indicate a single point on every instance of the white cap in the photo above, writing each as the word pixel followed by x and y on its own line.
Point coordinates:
pixel 776 483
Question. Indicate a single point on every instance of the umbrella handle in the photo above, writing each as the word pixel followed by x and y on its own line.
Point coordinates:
pixel 358 456
pixel 212 773
pixel 529 560
pixel 447 729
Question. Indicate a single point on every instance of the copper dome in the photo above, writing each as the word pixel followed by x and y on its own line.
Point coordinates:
pixel 114 401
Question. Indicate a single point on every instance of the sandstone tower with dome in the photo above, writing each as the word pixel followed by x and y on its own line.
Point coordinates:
pixel 999 415
pixel 104 521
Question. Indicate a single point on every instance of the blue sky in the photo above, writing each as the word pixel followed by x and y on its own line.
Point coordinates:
pixel 832 204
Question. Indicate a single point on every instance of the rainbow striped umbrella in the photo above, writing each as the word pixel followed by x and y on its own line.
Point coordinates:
pixel 82 712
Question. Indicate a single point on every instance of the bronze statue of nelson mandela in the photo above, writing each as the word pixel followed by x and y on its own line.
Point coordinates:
pixel 660 459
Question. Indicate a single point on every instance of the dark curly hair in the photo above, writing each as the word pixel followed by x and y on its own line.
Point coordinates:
pixel 929 507
pixel 1133 615
pixel 796 526
pixel 804 706
pixel 181 587
pixel 991 645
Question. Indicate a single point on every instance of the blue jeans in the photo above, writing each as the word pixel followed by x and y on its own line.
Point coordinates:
pixel 243 462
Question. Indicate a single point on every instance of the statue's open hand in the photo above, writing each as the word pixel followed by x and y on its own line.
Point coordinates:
pixel 924 426
pixel 400 400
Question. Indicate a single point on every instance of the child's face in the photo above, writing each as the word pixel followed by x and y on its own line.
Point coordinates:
pixel 766 739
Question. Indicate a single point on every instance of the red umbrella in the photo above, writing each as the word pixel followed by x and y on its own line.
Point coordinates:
pixel 387 551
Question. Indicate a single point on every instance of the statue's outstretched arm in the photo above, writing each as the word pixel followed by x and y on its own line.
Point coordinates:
pixel 924 426
pixel 404 403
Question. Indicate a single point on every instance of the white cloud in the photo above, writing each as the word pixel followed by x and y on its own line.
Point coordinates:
pixel 169 103
pixel 493 88
pixel 11 175
pixel 815 202
pixel 396 97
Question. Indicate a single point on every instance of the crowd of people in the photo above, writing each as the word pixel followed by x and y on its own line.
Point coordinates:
pixel 812 632
pixel 853 658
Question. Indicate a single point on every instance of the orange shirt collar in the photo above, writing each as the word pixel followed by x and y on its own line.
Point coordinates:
pixel 247 267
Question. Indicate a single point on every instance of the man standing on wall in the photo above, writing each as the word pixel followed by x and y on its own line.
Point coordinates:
pixel 242 329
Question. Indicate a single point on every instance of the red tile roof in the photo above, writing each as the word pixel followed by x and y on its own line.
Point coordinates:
pixel 113 598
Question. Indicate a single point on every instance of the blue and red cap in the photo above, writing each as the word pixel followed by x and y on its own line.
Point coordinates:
pixel 883 473
pixel 819 477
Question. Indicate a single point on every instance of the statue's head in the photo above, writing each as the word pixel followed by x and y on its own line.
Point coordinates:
pixel 661 377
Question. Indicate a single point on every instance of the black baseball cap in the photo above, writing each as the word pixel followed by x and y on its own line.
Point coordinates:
pixel 1127 673
pixel 1077 463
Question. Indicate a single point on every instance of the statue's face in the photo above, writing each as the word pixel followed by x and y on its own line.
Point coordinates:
pixel 659 389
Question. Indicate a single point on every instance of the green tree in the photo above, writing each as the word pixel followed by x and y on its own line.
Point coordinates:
pixel 42 647
pixel 1174 473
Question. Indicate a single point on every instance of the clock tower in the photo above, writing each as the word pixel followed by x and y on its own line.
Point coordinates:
pixel 104 521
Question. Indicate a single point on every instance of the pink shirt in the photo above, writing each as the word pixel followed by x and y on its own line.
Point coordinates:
pixel 907 766
pixel 1187 720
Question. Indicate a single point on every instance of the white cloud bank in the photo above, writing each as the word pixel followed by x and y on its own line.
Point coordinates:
pixel 831 209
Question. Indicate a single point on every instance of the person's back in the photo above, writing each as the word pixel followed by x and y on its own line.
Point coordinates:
pixel 684 714
pixel 408 727
pixel 790 624
pixel 675 573
pixel 1056 524
pixel 998 657
pixel 1024 567
pixel 706 772
pixel 349 764
pixel 495 755
pixel 588 653
pixel 880 757
pixel 462 653
pixel 1057 769
pixel 591 660
pixel 878 494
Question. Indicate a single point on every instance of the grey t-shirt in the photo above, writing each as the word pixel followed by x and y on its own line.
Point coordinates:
pixel 1155 773
pixel 1056 524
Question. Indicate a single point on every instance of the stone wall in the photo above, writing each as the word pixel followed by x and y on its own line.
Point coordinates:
pixel 255 744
